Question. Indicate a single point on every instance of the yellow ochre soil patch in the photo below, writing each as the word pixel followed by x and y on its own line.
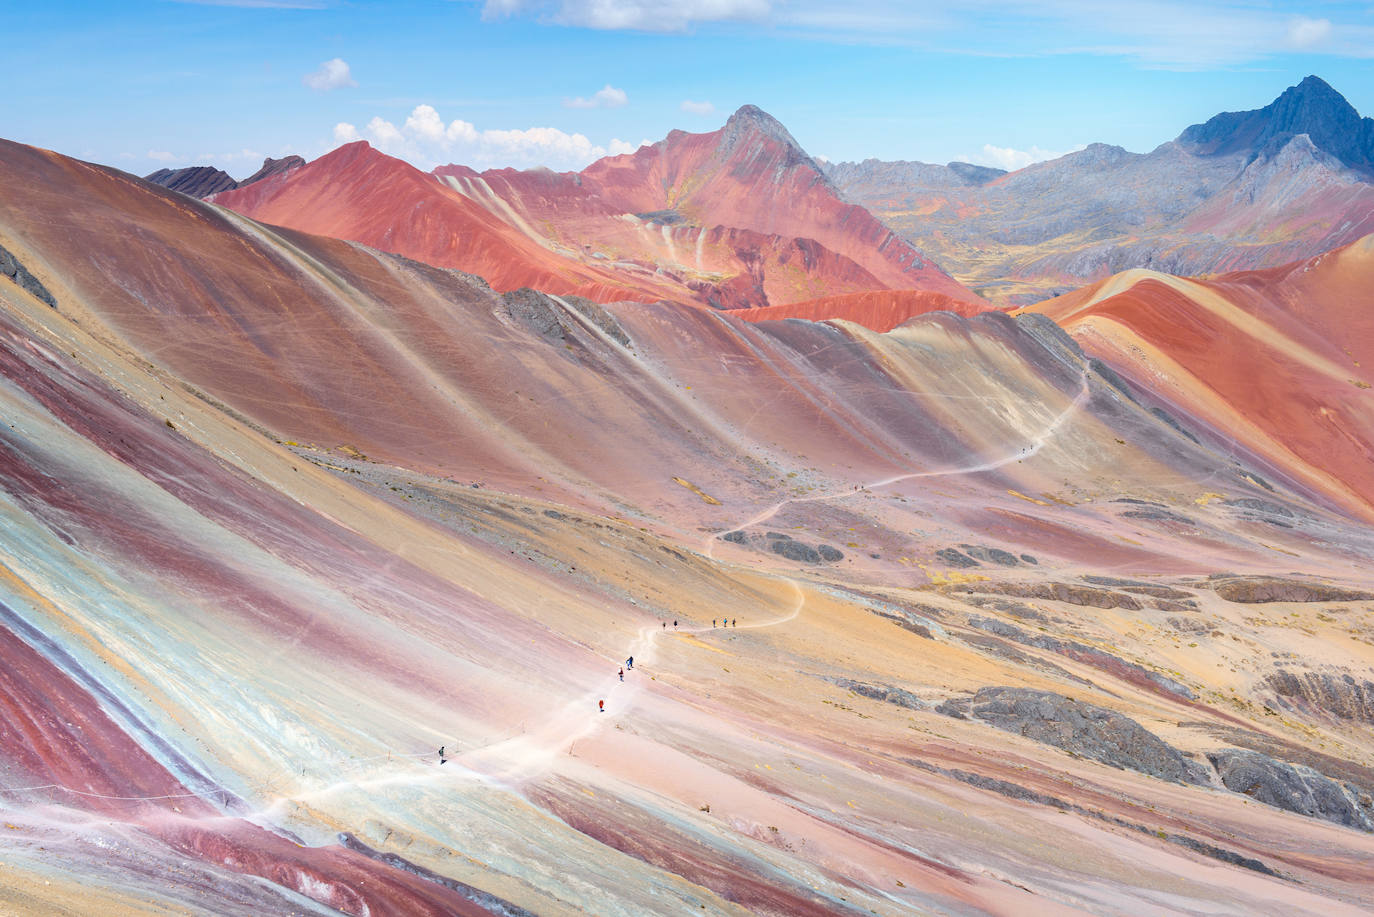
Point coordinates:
pixel 706 498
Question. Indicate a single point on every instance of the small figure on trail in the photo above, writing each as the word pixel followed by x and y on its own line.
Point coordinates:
pixel 622 674
pixel 601 704
pixel 713 622
pixel 665 625
pixel 442 759
pixel 630 663
pixel 675 622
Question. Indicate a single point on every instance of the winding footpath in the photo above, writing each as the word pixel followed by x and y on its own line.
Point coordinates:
pixel 515 759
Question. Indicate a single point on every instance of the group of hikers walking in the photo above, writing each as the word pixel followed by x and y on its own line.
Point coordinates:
pixel 630 662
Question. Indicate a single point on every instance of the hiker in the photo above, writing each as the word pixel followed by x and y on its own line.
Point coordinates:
pixel 602 705
pixel 622 673
pixel 713 622
pixel 442 759
pixel 675 622
pixel 630 663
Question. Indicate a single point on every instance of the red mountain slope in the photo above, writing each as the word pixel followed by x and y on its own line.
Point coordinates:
pixel 357 193
pixel 737 218
pixel 750 174
pixel 1279 359
pixel 879 310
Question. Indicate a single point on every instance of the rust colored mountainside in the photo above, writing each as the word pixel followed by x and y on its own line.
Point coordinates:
pixel 1278 359
pixel 734 219
pixel 320 562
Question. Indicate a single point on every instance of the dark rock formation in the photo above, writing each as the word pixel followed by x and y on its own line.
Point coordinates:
pixel 272 166
pixel 1083 729
pixel 1294 788
pixel 905 623
pixel 796 550
pixel 991 555
pixel 1170 421
pixel 534 310
pixel 885 693
pixel 1060 592
pixel 1341 696
pixel 1312 107
pixel 596 313
pixel 785 545
pixel 1257 589
pixel 829 554
pixel 196 181
pixel 1260 506
pixel 203 181
pixel 1138 588
pixel 952 558
pixel 11 267
pixel 1157 515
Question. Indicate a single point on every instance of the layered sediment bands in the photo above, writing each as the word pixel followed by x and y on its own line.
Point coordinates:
pixel 283 515
pixel 1278 359
pixel 735 219
pixel 1339 695
pixel 879 310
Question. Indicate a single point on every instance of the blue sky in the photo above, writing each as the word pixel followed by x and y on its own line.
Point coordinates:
pixel 141 85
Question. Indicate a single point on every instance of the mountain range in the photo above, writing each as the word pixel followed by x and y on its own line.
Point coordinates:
pixel 370 542
pixel 1244 190
pixel 737 218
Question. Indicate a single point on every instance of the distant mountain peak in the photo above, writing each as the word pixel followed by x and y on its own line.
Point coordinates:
pixel 205 181
pixel 1311 107
pixel 750 121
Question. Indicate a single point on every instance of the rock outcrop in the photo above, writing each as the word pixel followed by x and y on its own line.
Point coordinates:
pixel 1252 590
pixel 196 181
pixel 203 181
pixel 1077 727
pixel 1296 788
pixel 1342 696
pixel 12 268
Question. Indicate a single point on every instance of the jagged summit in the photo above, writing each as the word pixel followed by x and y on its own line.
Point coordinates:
pixel 197 181
pixel 204 181
pixel 1311 107
pixel 750 123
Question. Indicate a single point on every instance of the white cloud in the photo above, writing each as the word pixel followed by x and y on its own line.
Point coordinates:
pixel 162 156
pixel 606 97
pixel 332 74
pixel 425 140
pixel 697 108
pixel 1308 33
pixel 1005 157
pixel 634 15
pixel 1172 34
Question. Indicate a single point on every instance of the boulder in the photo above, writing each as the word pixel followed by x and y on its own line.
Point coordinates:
pixel 1295 788
pixel 1083 729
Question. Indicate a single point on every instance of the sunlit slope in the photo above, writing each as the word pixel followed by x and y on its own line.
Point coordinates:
pixel 737 218
pixel 1278 360
pixel 249 588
